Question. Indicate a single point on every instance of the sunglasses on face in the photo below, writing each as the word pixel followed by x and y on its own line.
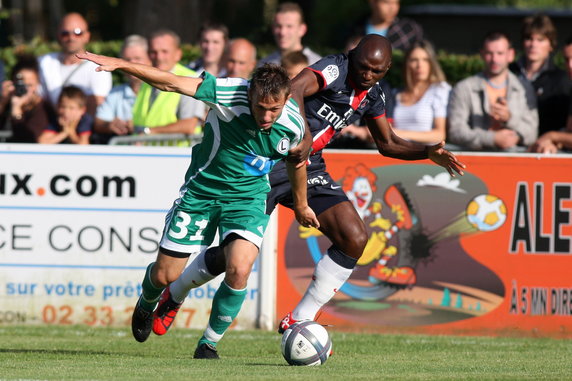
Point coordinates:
pixel 76 32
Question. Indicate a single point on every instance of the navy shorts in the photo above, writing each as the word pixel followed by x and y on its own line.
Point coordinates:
pixel 323 193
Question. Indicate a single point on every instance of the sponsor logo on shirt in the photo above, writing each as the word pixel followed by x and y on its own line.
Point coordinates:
pixel 257 165
pixel 338 122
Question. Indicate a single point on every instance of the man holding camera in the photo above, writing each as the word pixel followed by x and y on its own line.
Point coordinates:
pixel 23 110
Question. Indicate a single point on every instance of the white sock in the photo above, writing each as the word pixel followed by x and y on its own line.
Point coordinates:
pixel 327 280
pixel 195 275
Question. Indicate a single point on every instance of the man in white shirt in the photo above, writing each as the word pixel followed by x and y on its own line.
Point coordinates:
pixel 288 28
pixel 63 68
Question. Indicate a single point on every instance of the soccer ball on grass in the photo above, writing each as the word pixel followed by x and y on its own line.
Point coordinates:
pixel 306 343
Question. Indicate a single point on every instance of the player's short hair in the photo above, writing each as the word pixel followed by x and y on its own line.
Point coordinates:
pixel 134 40
pixel 539 24
pixel 293 59
pixel 568 41
pixel 74 93
pixel 214 26
pixel 270 81
pixel 291 7
pixel 436 74
pixel 166 32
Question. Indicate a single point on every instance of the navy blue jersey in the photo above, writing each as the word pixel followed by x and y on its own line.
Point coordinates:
pixel 336 105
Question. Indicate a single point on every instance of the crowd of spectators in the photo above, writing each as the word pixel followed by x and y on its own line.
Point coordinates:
pixel 521 104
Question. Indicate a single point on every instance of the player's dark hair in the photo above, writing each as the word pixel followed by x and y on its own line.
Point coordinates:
pixel 75 93
pixel 568 41
pixel 539 24
pixel 270 82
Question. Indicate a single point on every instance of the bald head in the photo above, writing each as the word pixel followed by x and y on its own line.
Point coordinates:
pixel 241 58
pixel 73 33
pixel 369 60
pixel 374 46
pixel 74 18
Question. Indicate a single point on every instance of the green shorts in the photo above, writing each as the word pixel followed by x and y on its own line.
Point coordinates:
pixel 192 223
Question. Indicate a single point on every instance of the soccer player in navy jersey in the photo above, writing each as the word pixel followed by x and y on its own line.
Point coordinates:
pixel 336 91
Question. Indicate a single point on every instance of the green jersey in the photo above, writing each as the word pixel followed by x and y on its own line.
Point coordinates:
pixel 235 155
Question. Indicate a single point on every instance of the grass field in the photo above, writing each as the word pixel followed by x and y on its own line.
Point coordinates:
pixel 78 352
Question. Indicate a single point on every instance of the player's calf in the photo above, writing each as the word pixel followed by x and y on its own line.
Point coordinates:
pixel 165 314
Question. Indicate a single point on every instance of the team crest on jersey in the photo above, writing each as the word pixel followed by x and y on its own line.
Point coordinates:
pixel 363 103
pixel 283 145
pixel 331 73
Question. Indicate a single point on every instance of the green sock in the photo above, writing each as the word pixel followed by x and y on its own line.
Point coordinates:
pixel 151 294
pixel 226 305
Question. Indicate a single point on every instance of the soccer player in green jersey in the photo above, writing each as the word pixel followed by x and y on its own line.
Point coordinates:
pixel 251 125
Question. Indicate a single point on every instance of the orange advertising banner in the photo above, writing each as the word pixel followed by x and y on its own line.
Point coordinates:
pixel 488 253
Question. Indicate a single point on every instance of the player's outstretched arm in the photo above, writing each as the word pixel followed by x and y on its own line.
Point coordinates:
pixel 160 79
pixel 389 144
pixel 298 178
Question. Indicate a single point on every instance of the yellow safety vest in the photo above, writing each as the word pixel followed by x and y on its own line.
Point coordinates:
pixel 163 111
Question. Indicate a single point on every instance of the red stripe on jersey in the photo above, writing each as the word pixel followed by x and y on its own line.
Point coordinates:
pixel 357 96
pixel 322 139
pixel 377 117
pixel 324 84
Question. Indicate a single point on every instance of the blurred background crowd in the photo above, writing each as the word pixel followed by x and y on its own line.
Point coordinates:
pixel 493 76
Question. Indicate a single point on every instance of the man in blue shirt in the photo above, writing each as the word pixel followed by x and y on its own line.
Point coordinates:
pixel 114 116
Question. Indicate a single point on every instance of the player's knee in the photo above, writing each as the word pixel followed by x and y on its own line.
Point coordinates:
pixel 237 276
pixel 355 242
pixel 361 240
pixel 163 277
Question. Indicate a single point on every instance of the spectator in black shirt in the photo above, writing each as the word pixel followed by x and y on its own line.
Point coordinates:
pixel 551 84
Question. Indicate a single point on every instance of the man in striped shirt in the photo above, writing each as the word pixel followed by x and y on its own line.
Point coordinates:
pixel 251 126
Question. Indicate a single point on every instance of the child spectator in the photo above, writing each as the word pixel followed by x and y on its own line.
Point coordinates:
pixel 294 63
pixel 74 124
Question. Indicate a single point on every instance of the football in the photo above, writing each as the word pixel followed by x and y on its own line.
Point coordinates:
pixel 306 343
pixel 486 212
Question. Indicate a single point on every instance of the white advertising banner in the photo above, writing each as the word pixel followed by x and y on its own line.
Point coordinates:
pixel 78 227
